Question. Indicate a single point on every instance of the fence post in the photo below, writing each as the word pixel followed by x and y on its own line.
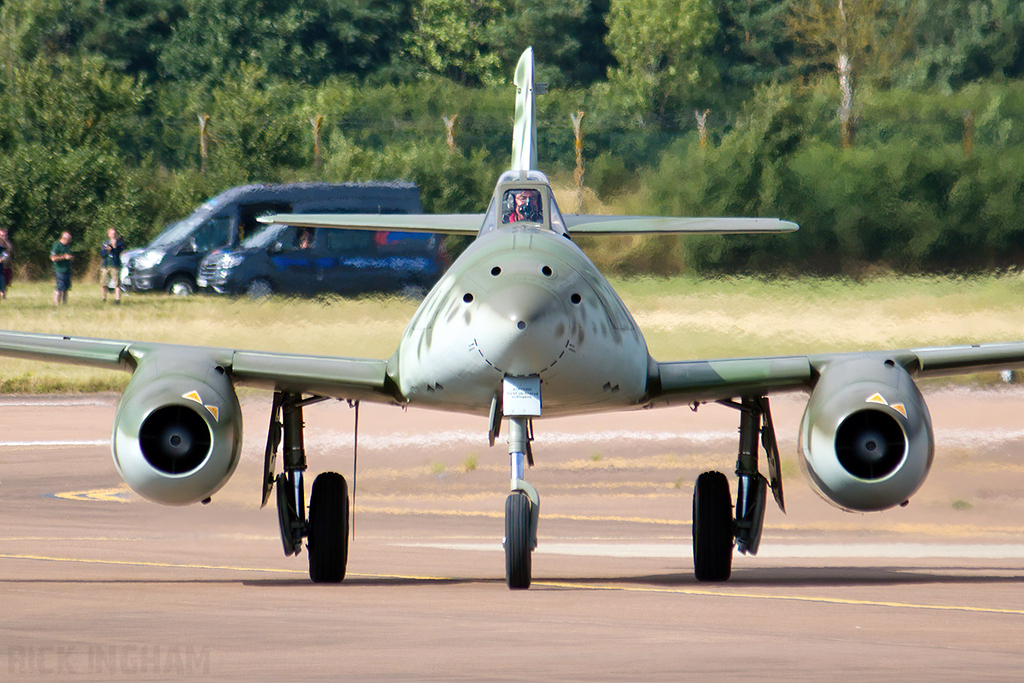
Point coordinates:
pixel 317 121
pixel 204 141
pixel 702 126
pixel 968 118
pixel 449 128
pixel 577 176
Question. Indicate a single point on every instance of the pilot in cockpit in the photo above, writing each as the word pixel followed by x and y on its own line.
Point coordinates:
pixel 522 205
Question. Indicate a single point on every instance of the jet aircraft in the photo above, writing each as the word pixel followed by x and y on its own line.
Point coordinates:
pixel 523 327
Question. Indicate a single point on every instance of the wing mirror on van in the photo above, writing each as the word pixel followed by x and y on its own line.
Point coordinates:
pixel 189 246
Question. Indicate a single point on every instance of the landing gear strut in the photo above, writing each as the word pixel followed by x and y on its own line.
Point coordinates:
pixel 326 529
pixel 522 509
pixel 715 529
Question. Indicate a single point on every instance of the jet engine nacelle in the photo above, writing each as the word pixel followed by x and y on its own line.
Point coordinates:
pixel 178 429
pixel 866 439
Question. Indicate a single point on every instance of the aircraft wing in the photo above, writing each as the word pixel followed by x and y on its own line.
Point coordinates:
pixel 708 380
pixel 633 225
pixel 349 378
pixel 450 224
pixel 469 224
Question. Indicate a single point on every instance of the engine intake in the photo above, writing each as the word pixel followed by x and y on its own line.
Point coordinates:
pixel 870 444
pixel 866 439
pixel 175 439
pixel 178 429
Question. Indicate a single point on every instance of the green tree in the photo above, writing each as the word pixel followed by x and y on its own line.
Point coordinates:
pixel 70 102
pixel 453 38
pixel 562 35
pixel 957 43
pixel 255 129
pixel 304 40
pixel 754 45
pixel 130 33
pixel 65 166
pixel 660 46
pixel 858 38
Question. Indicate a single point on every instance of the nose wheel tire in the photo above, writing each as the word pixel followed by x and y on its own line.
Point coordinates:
pixel 518 565
pixel 328 528
pixel 712 528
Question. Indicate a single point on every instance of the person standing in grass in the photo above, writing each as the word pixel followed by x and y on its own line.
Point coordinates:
pixel 110 270
pixel 61 256
pixel 6 253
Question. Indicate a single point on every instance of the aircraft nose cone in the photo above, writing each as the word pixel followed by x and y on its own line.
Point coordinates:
pixel 525 329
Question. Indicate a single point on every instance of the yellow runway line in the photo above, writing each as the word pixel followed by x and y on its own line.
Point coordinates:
pixel 790 598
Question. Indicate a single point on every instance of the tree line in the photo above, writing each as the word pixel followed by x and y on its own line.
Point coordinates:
pixel 889 129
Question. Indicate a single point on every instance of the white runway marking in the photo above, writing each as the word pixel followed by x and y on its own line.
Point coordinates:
pixel 947 438
pixel 781 551
pixel 62 403
pixel 33 444
pixel 479 438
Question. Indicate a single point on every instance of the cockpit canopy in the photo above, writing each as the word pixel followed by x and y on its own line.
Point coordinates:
pixel 523 197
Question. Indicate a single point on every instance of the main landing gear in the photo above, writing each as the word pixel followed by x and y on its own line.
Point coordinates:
pixel 326 529
pixel 715 529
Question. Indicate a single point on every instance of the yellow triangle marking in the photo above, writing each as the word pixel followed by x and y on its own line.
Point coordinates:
pixel 193 396
pixel 877 398
pixel 215 411
pixel 900 408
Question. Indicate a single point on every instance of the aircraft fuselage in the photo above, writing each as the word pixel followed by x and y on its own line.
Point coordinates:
pixel 522 301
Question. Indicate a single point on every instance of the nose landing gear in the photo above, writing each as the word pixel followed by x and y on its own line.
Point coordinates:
pixel 522 510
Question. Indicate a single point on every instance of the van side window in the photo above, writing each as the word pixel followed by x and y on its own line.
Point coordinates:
pixel 296 239
pixel 348 241
pixel 214 233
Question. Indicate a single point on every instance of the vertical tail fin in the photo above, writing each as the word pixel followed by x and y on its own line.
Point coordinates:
pixel 524 133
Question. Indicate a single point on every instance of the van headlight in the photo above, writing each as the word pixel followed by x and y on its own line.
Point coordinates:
pixel 148 259
pixel 228 260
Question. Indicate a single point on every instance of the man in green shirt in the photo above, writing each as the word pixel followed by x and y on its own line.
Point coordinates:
pixel 61 256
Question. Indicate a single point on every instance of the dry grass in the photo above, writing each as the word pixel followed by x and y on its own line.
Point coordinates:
pixel 682 318
pixel 365 327
pixel 688 318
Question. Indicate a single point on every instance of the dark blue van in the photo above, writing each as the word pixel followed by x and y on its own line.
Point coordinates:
pixel 284 259
pixel 171 261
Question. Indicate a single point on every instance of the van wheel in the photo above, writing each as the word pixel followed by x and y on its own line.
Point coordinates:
pixel 259 289
pixel 180 285
pixel 413 292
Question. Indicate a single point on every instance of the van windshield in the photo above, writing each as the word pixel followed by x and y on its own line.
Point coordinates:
pixel 176 232
pixel 265 236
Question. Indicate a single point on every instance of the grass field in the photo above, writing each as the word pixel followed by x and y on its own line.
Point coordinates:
pixel 682 318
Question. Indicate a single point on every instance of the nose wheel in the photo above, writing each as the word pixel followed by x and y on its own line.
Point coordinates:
pixel 522 510
pixel 518 550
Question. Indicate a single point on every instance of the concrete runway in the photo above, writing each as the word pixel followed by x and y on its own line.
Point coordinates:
pixel 99 585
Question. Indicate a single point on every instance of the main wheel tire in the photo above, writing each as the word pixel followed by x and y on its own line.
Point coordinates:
pixel 518 551
pixel 181 285
pixel 712 528
pixel 327 540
